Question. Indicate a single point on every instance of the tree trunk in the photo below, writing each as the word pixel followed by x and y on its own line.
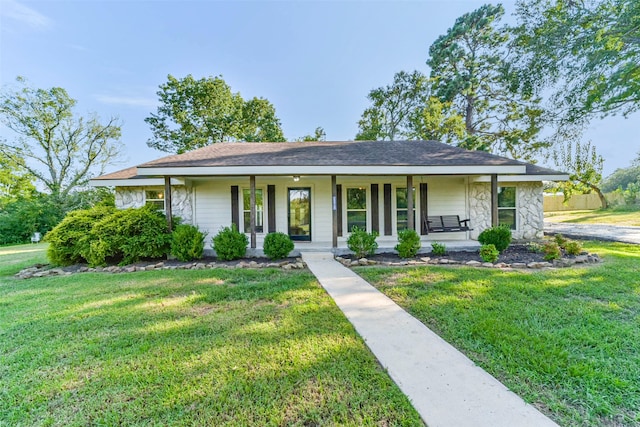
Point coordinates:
pixel 603 201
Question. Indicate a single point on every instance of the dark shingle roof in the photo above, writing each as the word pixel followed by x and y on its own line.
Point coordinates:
pixel 129 173
pixel 344 153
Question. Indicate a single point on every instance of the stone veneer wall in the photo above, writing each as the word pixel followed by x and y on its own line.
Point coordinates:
pixel 479 208
pixel 181 200
pixel 529 209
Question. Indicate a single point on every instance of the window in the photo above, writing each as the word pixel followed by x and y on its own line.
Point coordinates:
pixel 507 207
pixel 154 198
pixel 356 208
pixel 246 200
pixel 402 208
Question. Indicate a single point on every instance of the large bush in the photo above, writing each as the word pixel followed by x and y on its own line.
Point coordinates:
pixel 230 244
pixel 128 236
pixel 499 236
pixel 277 245
pixel 408 243
pixel 362 243
pixel 69 241
pixel 187 242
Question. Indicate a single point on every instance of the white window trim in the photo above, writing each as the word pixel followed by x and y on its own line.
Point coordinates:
pixel 264 210
pixel 516 208
pixel 367 209
pixel 158 190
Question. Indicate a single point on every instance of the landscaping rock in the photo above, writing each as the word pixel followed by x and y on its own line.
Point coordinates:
pixel 473 263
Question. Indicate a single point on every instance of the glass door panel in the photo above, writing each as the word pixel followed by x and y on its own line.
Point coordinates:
pixel 300 214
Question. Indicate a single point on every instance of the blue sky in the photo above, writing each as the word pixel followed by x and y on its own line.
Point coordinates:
pixel 315 61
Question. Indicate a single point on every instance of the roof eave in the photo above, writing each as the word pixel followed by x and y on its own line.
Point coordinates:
pixel 332 170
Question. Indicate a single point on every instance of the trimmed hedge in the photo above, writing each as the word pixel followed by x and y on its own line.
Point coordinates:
pixel 69 241
pixel 499 236
pixel 277 245
pixel 187 242
pixel 230 244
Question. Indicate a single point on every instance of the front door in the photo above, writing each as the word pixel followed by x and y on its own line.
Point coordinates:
pixel 300 214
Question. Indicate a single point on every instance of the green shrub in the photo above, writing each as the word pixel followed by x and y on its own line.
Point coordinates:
pixel 438 249
pixel 499 236
pixel 408 243
pixel 560 240
pixel 230 244
pixel 551 251
pixel 69 241
pixel 573 248
pixel 489 253
pixel 128 236
pixel 362 243
pixel 535 247
pixel 277 245
pixel 187 242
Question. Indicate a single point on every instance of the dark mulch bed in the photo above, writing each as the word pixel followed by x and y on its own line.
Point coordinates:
pixel 514 253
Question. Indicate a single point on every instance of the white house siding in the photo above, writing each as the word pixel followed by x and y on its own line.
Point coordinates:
pixel 206 202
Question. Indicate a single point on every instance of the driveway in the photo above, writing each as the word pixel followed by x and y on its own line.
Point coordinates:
pixel 594 231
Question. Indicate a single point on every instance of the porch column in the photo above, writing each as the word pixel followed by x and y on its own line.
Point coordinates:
pixel 410 224
pixel 334 212
pixel 167 202
pixel 252 210
pixel 494 200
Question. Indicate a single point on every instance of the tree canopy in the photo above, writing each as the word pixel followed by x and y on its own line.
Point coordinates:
pixel 584 166
pixel 196 113
pixel 471 70
pixel 587 53
pixel 57 148
pixel 406 109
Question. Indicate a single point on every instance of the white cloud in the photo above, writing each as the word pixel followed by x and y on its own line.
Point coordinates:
pixel 24 14
pixel 130 101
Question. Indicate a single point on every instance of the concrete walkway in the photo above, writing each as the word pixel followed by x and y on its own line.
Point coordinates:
pixel 445 387
pixel 615 233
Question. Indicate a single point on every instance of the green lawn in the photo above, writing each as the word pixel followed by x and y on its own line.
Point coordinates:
pixel 613 216
pixel 204 347
pixel 567 340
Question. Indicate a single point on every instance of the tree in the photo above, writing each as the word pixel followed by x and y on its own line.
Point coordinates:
pixel 196 113
pixel 389 116
pixel 406 109
pixel 470 69
pixel 584 166
pixel 622 177
pixel 318 135
pixel 587 53
pixel 59 150
pixel 15 182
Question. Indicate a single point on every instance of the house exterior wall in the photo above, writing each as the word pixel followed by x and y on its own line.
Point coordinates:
pixel 206 202
pixel 181 200
pixel 529 212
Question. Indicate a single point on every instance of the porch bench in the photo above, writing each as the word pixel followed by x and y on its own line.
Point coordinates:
pixel 447 224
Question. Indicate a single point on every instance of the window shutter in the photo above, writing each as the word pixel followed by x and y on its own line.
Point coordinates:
pixel 375 211
pixel 235 209
pixel 423 209
pixel 271 208
pixel 339 207
pixel 388 229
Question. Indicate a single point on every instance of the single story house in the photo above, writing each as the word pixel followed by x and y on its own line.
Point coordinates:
pixel 317 191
